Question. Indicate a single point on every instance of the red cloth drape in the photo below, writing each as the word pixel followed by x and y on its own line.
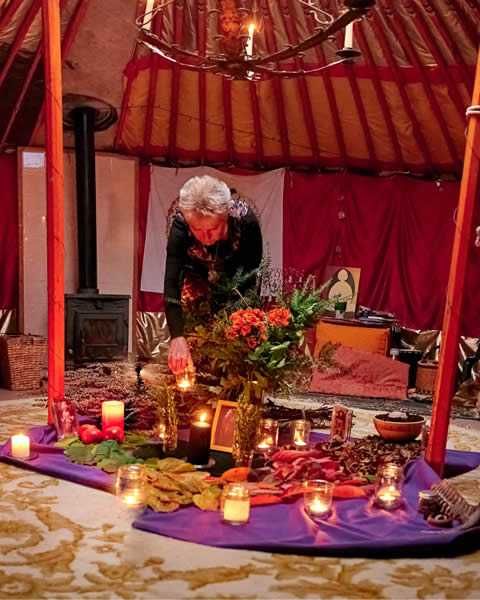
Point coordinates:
pixel 398 230
pixel 8 233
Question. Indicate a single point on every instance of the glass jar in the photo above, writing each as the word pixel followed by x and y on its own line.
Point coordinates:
pixel 301 434
pixel 130 485
pixel 318 498
pixel 429 502
pixel 389 486
pixel 235 504
pixel 186 379
pixel 267 437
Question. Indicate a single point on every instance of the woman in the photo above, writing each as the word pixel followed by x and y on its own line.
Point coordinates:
pixel 212 233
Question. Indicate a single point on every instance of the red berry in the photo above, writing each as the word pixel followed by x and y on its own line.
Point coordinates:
pixel 114 433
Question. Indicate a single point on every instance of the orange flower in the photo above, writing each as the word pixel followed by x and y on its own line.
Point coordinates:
pixel 231 334
pixel 278 316
pixel 252 342
pixel 246 329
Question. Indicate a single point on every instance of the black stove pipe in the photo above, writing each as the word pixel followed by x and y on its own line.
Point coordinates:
pixel 83 121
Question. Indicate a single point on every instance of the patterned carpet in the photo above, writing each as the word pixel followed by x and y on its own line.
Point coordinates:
pixel 59 540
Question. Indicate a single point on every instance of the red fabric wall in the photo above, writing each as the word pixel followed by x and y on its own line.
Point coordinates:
pixel 8 233
pixel 399 231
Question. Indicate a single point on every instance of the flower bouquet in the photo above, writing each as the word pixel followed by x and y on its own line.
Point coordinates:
pixel 250 351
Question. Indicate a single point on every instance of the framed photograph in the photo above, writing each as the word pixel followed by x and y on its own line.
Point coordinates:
pixel 344 284
pixel 223 426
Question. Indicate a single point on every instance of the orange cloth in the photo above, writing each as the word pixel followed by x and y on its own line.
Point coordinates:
pixel 370 339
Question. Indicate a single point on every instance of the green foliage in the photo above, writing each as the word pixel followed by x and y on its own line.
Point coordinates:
pixel 107 455
pixel 167 406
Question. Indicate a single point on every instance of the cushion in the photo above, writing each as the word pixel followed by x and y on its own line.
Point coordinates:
pixel 370 339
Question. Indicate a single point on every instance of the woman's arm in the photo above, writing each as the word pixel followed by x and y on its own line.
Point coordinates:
pixel 175 264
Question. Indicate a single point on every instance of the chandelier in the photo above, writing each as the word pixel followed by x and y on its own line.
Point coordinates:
pixel 234 53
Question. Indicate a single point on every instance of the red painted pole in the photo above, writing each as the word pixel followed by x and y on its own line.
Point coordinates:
pixel 55 245
pixel 447 368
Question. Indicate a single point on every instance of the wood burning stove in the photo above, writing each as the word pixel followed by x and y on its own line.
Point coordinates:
pixel 96 325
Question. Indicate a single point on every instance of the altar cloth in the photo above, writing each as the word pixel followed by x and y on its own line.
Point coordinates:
pixel 354 528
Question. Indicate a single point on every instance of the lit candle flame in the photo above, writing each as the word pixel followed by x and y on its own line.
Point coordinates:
pixel 184 384
pixel 318 506
pixel 203 417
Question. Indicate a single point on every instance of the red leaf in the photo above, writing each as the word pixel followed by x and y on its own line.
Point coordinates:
pixel 348 491
pixel 264 499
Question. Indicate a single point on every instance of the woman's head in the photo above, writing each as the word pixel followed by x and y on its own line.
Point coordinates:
pixel 204 202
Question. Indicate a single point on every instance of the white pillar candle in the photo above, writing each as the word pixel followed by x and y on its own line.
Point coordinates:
pixel 20 446
pixel 349 36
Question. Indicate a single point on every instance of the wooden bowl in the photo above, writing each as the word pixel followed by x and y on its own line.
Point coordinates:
pixel 398 431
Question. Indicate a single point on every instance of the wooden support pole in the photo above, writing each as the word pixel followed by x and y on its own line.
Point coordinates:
pixel 55 240
pixel 447 368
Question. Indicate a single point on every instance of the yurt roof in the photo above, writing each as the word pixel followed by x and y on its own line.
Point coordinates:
pixel 399 107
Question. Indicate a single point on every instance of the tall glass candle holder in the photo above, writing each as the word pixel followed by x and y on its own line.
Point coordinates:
pixel 318 498
pixel 388 486
pixel 235 504
pixel 185 379
pixel 130 485
pixel 301 434
pixel 267 435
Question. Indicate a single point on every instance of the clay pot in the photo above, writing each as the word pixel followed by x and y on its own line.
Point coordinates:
pixel 398 431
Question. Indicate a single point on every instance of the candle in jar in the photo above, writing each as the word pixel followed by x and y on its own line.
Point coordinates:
pixel 20 446
pixel 318 507
pixel 389 495
pixel 112 414
pixel 199 441
pixel 265 443
pixel 236 510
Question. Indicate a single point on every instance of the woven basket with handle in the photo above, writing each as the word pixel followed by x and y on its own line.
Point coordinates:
pixel 426 377
pixel 21 361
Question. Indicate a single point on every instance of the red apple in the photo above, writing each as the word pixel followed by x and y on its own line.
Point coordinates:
pixel 92 435
pixel 83 428
pixel 114 433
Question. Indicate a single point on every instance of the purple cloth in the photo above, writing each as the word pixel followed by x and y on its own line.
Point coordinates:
pixel 355 527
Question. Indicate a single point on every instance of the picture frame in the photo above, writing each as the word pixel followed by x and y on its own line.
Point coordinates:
pixel 344 285
pixel 223 426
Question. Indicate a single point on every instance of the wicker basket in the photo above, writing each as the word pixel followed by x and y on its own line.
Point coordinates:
pixel 426 377
pixel 21 361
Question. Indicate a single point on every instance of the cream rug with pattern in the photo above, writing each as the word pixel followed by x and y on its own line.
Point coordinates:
pixel 62 540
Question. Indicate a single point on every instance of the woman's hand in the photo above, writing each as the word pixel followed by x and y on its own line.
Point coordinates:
pixel 179 358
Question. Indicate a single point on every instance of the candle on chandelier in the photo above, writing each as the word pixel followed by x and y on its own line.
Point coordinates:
pixel 20 446
pixel 199 441
pixel 112 414
pixel 349 36
pixel 251 29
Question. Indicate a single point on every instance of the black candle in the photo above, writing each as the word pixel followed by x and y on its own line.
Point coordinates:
pixel 199 442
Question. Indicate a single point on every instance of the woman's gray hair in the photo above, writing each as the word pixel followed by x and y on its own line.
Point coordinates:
pixel 206 196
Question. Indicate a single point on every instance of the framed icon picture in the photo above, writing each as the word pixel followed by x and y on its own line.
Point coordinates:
pixel 223 426
pixel 344 284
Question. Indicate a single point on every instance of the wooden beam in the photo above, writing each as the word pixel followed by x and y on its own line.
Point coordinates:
pixel 55 239
pixel 447 367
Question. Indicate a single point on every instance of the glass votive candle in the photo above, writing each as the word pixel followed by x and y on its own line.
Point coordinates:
pixel 318 498
pixel 185 379
pixel 388 486
pixel 301 434
pixel 267 435
pixel 130 485
pixel 235 504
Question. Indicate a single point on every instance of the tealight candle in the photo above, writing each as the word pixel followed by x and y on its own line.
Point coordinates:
pixel 199 441
pixel 20 446
pixel 267 435
pixel 130 484
pixel 301 433
pixel 112 414
pixel 185 379
pixel 236 504
pixel 318 498
pixel 388 487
